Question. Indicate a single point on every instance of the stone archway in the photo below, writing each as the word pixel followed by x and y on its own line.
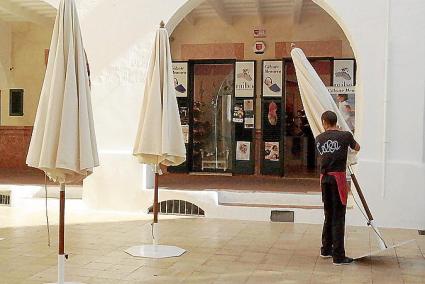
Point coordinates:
pixel 316 32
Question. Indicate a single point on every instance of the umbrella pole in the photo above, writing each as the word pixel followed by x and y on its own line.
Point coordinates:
pixel 371 222
pixel 155 208
pixel 61 256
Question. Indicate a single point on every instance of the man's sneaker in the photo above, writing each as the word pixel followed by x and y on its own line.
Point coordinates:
pixel 343 261
pixel 325 255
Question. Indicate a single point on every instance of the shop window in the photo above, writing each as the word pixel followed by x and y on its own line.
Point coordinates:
pixel 178 207
pixel 16 102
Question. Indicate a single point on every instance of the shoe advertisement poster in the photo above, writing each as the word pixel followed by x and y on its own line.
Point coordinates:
pixel 180 78
pixel 271 151
pixel 243 149
pixel 272 78
pixel 238 113
pixel 343 75
pixel 249 113
pixel 245 79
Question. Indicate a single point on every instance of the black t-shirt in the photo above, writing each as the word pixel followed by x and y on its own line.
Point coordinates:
pixel 332 147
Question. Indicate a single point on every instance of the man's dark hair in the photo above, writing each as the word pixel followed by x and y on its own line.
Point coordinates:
pixel 329 117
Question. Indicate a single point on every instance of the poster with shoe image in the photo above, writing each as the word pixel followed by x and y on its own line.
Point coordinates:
pixel 180 78
pixel 243 149
pixel 272 78
pixel 271 151
pixel 238 113
pixel 249 113
pixel 245 79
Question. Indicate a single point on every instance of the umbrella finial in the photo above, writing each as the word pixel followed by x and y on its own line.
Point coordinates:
pixel 162 24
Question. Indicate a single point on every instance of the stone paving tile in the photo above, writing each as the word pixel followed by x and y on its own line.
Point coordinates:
pixel 218 251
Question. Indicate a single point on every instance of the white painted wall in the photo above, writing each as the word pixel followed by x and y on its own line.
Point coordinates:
pixel 5 63
pixel 118 38
pixel 22 66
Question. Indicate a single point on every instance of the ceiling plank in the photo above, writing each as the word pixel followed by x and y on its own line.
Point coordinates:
pixel 260 14
pixel 297 11
pixel 219 8
pixel 14 9
pixel 190 19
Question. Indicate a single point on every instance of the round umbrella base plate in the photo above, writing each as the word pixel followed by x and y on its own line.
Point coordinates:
pixel 66 283
pixel 155 251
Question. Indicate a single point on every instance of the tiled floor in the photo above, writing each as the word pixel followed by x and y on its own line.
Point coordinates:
pixel 219 251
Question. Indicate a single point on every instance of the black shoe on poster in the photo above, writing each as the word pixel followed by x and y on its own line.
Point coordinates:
pixel 343 261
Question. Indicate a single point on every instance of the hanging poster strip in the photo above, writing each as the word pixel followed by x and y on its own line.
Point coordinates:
pixel 343 75
pixel 180 78
pixel 245 79
pixel 272 78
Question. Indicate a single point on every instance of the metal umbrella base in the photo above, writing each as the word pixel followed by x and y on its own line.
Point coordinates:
pixel 376 252
pixel 155 251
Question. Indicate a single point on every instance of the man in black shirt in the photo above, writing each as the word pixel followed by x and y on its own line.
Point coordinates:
pixel 332 147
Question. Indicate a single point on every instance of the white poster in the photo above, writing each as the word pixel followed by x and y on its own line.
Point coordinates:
pixel 245 79
pixel 180 78
pixel 185 129
pixel 343 72
pixel 243 150
pixel 272 78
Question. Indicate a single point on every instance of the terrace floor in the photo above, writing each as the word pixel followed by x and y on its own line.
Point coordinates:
pixel 218 251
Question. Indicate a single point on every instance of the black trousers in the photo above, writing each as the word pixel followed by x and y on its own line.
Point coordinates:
pixel 334 225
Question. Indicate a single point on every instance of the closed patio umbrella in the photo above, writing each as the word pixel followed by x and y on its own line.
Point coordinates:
pixel 63 142
pixel 159 137
pixel 316 99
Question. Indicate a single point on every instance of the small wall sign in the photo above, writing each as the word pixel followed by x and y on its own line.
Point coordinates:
pixel 259 47
pixel 259 32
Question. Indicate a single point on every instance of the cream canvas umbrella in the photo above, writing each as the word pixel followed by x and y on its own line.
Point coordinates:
pixel 316 99
pixel 63 142
pixel 159 137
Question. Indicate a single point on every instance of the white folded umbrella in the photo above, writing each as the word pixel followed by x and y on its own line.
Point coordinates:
pixel 159 137
pixel 314 94
pixel 316 100
pixel 63 142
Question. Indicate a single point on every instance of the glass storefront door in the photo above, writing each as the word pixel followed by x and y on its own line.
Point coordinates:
pixel 213 87
pixel 300 152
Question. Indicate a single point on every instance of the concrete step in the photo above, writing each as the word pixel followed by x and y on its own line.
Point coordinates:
pixel 309 200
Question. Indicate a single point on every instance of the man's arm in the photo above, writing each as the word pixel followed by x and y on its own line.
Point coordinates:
pixel 353 143
pixel 357 147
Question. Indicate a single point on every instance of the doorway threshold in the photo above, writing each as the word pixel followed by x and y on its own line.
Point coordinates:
pixel 210 174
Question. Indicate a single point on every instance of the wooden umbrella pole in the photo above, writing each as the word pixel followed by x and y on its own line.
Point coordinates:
pixel 155 197
pixel 61 256
pixel 62 220
pixel 155 200
pixel 361 196
pixel 371 222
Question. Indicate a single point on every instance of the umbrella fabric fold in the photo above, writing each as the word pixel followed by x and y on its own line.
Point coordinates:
pixel 159 137
pixel 315 97
pixel 63 142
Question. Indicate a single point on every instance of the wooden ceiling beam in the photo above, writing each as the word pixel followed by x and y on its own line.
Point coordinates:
pixel 219 8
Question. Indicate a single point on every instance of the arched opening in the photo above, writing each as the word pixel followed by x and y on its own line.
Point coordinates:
pixel 258 125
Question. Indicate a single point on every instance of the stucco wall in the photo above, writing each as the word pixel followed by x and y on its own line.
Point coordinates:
pixel 119 68
pixel 313 27
pixel 27 58
pixel 5 60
